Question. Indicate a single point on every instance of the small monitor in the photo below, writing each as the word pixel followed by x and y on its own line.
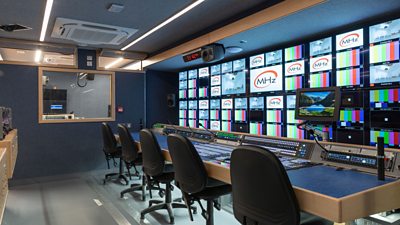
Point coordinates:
pixel 318 104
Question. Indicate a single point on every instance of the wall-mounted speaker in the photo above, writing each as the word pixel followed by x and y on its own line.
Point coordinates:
pixel 171 101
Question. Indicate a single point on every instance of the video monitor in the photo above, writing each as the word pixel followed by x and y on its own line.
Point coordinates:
pixel 274 102
pixel 318 104
pixel 234 83
pixel 226 115
pixel 182 113
pixel 257 61
pixel 204 72
pixel 216 69
pixel 293 83
pixel 215 91
pixel 183 75
pixel 274 57
pixel 274 116
pixel 320 63
pixel 256 103
pixel 215 125
pixel 386 74
pixel 240 115
pixel 203 104
pixel 183 104
pixel 256 128
pixel 214 114
pixel 321 47
pixel 192 93
pixel 52 107
pixel 215 80
pixel 350 39
pixel 204 123
pixel 239 65
pixel 294 53
pixel 295 68
pixel 227 103
pixel 192 83
pixel 351 117
pixel 203 114
pixel 226 67
pixel 385 52
pixel 226 126
pixel 325 128
pixel 350 136
pixel 321 79
pixel 351 58
pixel 183 94
pixel 290 101
pixel 183 84
pixel 385 119
pixel 385 98
pixel 192 123
pixel 192 104
pixel 203 92
pixel 182 122
pixel 215 104
pixel 391 138
pixel 384 31
pixel 291 117
pixel 204 82
pixel 240 127
pixel 274 130
pixel 294 132
pixel 192 114
pixel 256 116
pixel 266 79
pixel 192 74
pixel 352 99
pixel 348 77
pixel 240 103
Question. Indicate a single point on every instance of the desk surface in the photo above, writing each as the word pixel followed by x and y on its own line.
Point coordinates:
pixel 337 195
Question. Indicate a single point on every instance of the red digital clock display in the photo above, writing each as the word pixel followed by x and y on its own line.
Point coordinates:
pixel 192 56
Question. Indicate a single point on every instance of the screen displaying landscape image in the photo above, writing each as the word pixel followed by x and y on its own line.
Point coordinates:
pixel 318 104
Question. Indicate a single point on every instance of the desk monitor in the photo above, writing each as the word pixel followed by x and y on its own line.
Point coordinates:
pixel 318 104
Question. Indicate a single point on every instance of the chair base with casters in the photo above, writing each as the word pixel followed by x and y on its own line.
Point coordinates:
pixel 167 204
pixel 117 176
pixel 210 194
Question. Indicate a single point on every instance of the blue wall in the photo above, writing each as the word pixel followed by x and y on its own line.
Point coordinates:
pixel 51 149
pixel 158 85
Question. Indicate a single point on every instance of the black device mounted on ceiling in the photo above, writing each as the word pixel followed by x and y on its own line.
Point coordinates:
pixel 209 53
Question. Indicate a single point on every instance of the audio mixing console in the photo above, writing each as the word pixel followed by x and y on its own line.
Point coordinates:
pixel 294 154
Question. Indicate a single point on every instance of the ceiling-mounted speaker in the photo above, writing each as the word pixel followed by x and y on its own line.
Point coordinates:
pixel 213 53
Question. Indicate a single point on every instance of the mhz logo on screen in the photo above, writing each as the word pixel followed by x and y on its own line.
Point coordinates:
pixel 265 79
pixel 321 63
pixel 294 68
pixel 349 40
pixel 216 80
pixel 227 103
pixel 275 102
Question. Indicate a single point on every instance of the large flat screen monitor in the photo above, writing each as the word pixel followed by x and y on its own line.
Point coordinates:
pixel 318 104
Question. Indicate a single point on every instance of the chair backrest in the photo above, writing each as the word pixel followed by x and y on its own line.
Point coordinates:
pixel 261 190
pixel 153 160
pixel 129 148
pixel 109 141
pixel 190 172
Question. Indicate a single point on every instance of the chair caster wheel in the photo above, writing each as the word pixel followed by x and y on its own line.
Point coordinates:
pixel 161 194
pixel 122 196
pixel 195 211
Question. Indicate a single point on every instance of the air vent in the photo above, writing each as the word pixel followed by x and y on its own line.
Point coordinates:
pixel 14 27
pixel 90 33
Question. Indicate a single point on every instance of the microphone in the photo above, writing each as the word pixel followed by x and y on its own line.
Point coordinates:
pixel 209 131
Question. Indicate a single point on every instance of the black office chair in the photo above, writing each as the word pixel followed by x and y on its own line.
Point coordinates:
pixel 261 190
pixel 191 177
pixel 132 157
pixel 157 170
pixel 112 151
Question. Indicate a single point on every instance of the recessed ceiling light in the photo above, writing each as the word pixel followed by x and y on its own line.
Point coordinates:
pixel 46 17
pixel 169 20
pixel 233 49
pixel 113 63
pixel 38 56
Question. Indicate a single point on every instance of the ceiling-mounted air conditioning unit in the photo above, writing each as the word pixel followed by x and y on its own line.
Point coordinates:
pixel 88 33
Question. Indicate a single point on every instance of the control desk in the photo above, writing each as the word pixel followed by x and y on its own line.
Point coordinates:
pixel 217 146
